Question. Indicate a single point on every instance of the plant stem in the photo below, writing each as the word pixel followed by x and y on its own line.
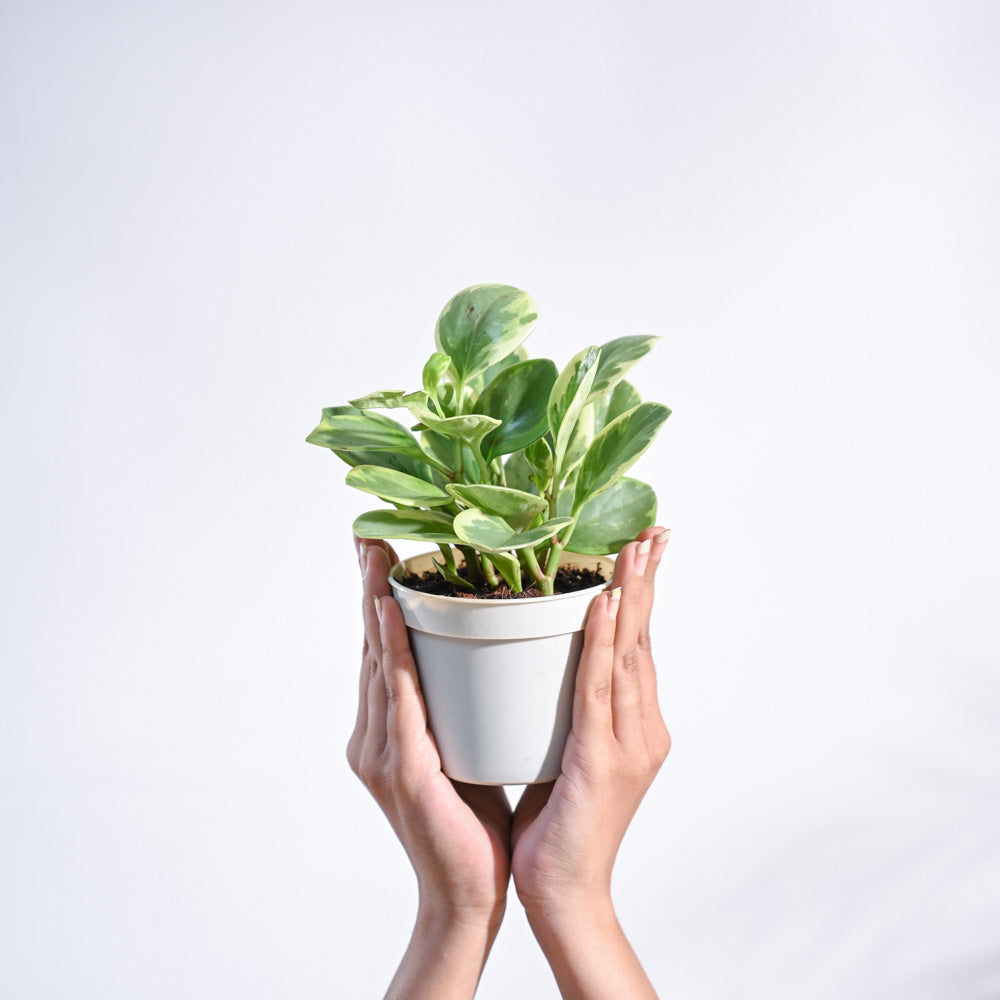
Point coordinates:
pixel 491 577
pixel 472 563
pixel 544 582
pixel 449 556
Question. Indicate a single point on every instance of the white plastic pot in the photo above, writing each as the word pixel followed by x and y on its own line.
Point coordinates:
pixel 497 675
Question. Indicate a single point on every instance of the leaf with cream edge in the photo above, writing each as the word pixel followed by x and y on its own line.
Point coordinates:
pixel 414 525
pixel 396 487
pixel 613 518
pixel 470 427
pixel 489 533
pixel 616 448
pixel 516 507
pixel 363 431
pixel 618 357
pixel 433 374
pixel 622 398
pixel 568 396
pixel 482 325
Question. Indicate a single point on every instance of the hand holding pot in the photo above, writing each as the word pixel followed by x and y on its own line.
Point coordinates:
pixel 566 834
pixel 456 836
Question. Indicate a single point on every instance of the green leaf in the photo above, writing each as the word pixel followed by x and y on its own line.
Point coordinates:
pixel 396 487
pixel 360 430
pixel 616 448
pixel 518 397
pixel 490 533
pixel 484 378
pixel 388 399
pixel 540 467
pixel 579 441
pixel 517 472
pixel 452 576
pixel 510 569
pixel 617 358
pixel 613 404
pixel 516 507
pixel 417 525
pixel 567 398
pixel 613 518
pixel 482 325
pixel 470 428
pixel 443 450
pixel 434 372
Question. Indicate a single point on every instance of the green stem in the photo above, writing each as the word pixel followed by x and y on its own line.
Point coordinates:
pixel 490 573
pixel 472 563
pixel 529 559
pixel 449 556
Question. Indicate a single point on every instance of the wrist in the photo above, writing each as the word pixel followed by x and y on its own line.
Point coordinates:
pixel 440 914
pixel 572 915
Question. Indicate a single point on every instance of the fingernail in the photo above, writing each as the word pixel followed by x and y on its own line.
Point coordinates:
pixel 642 556
pixel 614 599
pixel 363 556
pixel 378 608
pixel 660 543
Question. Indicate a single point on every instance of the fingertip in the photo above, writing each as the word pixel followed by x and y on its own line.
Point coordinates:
pixel 660 541
pixel 613 603
pixel 641 558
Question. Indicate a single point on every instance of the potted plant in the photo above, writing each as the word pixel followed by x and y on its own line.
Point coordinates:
pixel 511 465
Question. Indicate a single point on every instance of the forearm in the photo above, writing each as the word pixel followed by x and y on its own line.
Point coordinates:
pixel 588 952
pixel 445 956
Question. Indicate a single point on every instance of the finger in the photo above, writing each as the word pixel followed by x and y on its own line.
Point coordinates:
pixel 626 680
pixel 378 543
pixel 368 665
pixel 376 583
pixel 356 742
pixel 406 720
pixel 592 693
pixel 635 674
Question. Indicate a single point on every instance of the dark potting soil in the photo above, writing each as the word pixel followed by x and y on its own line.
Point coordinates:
pixel 569 579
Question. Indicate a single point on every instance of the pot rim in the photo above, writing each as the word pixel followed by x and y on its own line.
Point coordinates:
pixel 608 560
pixel 494 618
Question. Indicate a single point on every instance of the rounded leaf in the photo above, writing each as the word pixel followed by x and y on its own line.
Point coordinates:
pixel 362 430
pixel 482 325
pixel 616 448
pixel 416 525
pixel 617 358
pixel 518 397
pixel 396 487
pixel 516 507
pixel 614 518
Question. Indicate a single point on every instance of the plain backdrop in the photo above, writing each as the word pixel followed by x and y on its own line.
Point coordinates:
pixel 218 217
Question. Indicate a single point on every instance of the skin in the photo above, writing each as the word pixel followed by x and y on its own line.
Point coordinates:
pixel 561 841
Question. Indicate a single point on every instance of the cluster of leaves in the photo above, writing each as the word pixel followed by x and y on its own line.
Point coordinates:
pixel 510 460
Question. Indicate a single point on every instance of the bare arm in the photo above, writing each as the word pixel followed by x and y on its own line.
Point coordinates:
pixel 566 835
pixel 456 836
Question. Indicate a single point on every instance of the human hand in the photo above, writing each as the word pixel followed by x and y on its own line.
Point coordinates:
pixel 566 835
pixel 456 835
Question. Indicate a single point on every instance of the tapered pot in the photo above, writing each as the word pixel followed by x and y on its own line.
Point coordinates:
pixel 497 675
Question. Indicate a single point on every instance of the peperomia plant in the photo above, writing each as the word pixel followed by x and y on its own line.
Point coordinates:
pixel 511 461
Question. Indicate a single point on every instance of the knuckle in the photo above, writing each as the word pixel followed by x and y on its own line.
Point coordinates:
pixel 645 641
pixel 630 661
pixel 601 691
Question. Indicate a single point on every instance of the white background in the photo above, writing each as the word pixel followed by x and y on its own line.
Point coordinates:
pixel 220 217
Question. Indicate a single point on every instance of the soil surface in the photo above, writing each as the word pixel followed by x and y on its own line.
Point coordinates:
pixel 569 579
